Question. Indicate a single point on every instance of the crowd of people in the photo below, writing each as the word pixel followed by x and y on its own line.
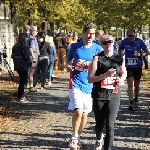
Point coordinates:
pixel 46 53
pixel 97 69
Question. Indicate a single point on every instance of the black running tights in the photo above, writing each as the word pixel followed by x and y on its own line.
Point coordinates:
pixel 105 115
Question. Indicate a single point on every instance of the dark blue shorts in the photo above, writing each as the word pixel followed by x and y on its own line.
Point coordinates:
pixel 136 73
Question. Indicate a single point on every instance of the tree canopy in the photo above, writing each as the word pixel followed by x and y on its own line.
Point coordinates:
pixel 73 14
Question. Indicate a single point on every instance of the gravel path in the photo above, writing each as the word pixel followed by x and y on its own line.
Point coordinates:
pixel 45 123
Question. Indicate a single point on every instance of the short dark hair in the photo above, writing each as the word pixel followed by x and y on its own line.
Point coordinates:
pixel 131 30
pixel 41 34
pixel 89 26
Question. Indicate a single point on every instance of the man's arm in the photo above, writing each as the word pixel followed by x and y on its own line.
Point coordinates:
pixel 69 62
pixel 70 59
pixel 144 51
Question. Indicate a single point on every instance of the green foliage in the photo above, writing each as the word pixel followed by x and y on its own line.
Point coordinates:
pixel 147 76
pixel 73 14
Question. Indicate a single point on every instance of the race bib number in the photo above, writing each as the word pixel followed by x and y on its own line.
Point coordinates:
pixel 132 61
pixel 82 65
pixel 109 83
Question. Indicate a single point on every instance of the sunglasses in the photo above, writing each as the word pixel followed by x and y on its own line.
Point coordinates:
pixel 130 35
pixel 106 42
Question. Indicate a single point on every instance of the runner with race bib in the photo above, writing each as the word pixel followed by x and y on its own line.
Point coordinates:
pixel 133 49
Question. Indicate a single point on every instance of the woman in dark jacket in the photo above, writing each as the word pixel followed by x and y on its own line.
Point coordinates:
pixel 21 59
pixel 43 60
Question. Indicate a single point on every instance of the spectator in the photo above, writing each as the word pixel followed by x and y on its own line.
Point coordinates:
pixel 43 60
pixel 60 43
pixel 52 57
pixel 21 59
pixel 33 45
pixel 27 32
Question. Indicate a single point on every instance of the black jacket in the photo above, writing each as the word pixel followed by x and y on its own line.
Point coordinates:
pixel 21 57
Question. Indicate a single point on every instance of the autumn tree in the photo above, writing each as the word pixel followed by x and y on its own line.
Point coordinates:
pixel 73 14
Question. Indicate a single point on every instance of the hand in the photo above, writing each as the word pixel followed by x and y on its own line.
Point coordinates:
pixel 136 54
pixel 111 72
pixel 120 81
pixel 122 52
pixel 142 53
pixel 69 68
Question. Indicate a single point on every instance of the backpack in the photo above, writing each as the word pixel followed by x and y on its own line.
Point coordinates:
pixel 58 42
pixel 19 58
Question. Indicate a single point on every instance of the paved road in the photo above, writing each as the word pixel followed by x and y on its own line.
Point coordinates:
pixel 45 123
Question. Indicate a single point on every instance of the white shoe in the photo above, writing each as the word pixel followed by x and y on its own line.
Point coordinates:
pixel 98 143
pixel 79 143
pixel 54 76
pixel 49 83
pixel 73 143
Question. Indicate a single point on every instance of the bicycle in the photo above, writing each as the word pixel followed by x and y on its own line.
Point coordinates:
pixel 5 63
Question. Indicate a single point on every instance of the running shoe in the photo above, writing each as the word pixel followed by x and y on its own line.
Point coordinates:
pixel 136 104
pixel 79 145
pixel 98 143
pixel 131 107
pixel 73 143
pixel 22 100
pixel 33 89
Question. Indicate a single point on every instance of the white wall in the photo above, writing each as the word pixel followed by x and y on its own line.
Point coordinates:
pixel 7 37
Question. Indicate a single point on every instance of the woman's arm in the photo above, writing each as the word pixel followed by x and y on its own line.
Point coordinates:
pixel 92 70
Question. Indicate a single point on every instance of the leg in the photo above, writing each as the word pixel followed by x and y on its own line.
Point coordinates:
pixel 112 110
pixel 27 82
pixel 99 111
pixel 137 87
pixel 87 107
pixel 32 70
pixel 79 118
pixel 23 77
pixel 50 70
pixel 36 74
pixel 57 59
pixel 43 71
pixel 130 82
pixel 99 108
pixel 32 80
pixel 137 77
pixel 76 121
pixel 83 123
pixel 63 58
